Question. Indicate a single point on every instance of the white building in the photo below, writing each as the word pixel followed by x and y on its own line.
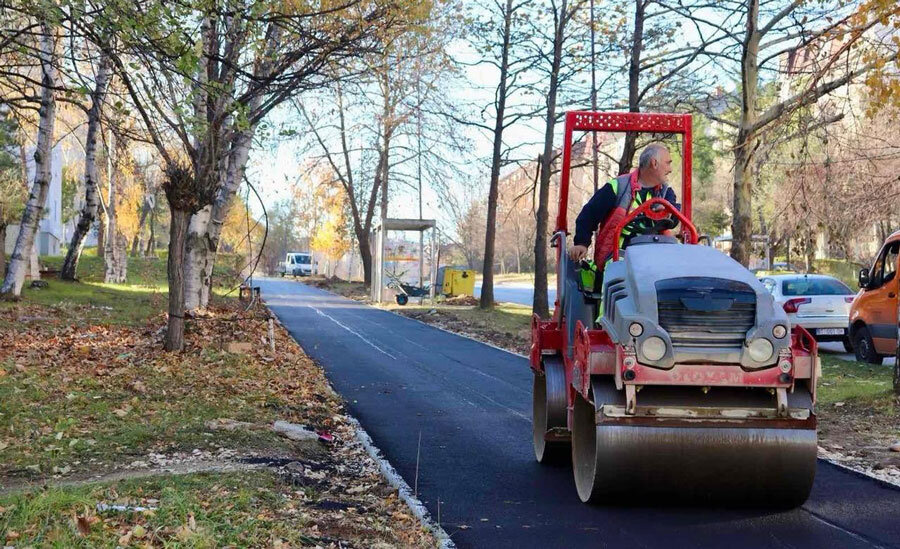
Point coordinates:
pixel 50 232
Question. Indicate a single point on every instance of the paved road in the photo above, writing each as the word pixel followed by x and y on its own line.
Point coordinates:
pixel 471 403
pixel 517 292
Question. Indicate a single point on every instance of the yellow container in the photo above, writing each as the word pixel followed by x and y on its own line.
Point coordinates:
pixel 458 281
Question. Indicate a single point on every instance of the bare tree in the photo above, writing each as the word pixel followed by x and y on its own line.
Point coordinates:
pixel 771 31
pixel 382 124
pixel 210 104
pixel 557 69
pixel 503 44
pixel 658 73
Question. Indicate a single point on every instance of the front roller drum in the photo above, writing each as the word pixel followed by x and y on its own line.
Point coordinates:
pixel 703 464
pixel 549 413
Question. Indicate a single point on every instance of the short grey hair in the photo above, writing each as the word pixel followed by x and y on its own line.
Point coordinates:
pixel 650 152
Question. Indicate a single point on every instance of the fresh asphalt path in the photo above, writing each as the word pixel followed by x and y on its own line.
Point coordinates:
pixel 471 405
pixel 517 292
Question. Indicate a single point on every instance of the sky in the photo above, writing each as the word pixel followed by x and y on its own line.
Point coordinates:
pixel 272 162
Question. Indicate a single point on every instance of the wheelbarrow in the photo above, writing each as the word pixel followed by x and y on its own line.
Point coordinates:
pixel 404 290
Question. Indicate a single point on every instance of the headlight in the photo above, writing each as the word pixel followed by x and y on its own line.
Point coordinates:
pixel 779 331
pixel 761 349
pixel 635 329
pixel 653 348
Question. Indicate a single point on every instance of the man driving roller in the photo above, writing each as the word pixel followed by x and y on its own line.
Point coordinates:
pixel 612 202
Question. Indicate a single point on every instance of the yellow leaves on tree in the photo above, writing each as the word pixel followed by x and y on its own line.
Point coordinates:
pixel 883 54
pixel 234 236
pixel 330 236
pixel 128 206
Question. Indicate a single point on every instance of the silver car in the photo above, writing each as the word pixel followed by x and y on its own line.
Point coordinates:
pixel 819 303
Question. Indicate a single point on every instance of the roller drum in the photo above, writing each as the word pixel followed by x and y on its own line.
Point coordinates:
pixel 703 464
pixel 549 412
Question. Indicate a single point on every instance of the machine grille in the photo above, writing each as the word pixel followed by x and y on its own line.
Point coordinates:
pixel 705 311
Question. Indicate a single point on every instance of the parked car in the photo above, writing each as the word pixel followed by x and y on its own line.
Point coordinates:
pixel 873 315
pixel 819 303
pixel 298 264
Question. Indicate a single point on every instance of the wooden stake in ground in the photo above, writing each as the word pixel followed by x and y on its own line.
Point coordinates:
pixel 271 335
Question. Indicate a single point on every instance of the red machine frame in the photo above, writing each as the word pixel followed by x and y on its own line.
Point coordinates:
pixel 594 353
pixel 624 122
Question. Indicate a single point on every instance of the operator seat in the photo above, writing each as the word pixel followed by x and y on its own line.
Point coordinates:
pixel 576 304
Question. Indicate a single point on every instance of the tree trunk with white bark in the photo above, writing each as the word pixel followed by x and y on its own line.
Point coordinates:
pixel 114 256
pixel 196 251
pixel 146 207
pixel 43 155
pixel 206 227
pixel 91 178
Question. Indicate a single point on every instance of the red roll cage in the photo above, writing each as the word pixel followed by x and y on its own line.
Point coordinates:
pixel 624 122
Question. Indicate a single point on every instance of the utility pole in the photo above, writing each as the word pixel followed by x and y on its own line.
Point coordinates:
pixel 419 177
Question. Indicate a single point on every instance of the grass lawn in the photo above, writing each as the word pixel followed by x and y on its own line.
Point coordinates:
pixel 144 293
pixel 859 415
pixel 110 396
pixel 844 380
pixel 87 390
pixel 507 325
pixel 250 509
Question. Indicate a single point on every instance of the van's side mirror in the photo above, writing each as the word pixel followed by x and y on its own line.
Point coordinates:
pixel 864 278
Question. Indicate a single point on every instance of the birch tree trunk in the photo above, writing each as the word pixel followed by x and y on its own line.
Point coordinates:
pixel 114 255
pixel 206 225
pixel 146 207
pixel 237 162
pixel 43 155
pixel 195 240
pixel 150 250
pixel 195 253
pixel 487 276
pixel 91 178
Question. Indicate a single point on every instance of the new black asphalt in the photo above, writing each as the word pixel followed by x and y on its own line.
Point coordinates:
pixel 471 405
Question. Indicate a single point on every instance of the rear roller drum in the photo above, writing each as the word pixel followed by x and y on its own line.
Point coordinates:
pixel 549 413
pixel 704 464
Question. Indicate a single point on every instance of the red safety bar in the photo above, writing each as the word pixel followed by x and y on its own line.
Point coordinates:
pixel 646 209
pixel 624 122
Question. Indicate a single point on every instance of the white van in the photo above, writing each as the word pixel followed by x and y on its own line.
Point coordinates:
pixel 298 264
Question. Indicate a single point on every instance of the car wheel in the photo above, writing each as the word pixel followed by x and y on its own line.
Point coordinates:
pixel 864 348
pixel 848 345
pixel 402 299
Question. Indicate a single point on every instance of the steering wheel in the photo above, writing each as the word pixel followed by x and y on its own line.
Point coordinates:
pixel 644 225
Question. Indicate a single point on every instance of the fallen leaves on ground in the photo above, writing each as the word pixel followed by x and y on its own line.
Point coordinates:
pixel 108 394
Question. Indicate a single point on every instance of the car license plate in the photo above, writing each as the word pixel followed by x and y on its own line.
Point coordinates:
pixel 830 331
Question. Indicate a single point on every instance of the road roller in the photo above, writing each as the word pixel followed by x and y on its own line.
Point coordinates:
pixel 675 375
